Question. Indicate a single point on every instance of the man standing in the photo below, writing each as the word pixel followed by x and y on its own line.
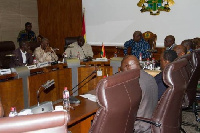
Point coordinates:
pixel 23 55
pixel 79 48
pixel 169 42
pixel 149 93
pixel 165 58
pixel 44 53
pixel 27 34
pixel 138 46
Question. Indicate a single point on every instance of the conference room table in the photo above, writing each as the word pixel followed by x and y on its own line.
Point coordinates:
pixel 81 115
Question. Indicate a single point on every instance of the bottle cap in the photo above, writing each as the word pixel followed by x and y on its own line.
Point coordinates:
pixel 65 88
pixel 12 109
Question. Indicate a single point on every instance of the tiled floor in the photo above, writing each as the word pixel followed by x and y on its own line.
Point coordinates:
pixel 190 118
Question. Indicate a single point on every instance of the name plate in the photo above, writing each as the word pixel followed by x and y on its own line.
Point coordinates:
pixel 101 59
pixel 117 58
pixel 43 64
pixel 5 71
pixel 32 67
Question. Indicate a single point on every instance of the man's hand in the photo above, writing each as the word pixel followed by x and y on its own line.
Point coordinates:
pixel 48 49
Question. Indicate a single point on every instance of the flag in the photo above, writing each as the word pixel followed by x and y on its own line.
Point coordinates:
pixel 103 53
pixel 83 28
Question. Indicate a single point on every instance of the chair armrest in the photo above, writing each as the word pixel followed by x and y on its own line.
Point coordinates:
pixel 46 122
pixel 148 121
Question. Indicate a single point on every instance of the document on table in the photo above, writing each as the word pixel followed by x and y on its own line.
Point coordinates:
pixel 90 97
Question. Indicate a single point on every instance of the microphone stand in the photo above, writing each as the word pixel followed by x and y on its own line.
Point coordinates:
pixel 73 99
pixel 82 81
pixel 38 96
pixel 85 83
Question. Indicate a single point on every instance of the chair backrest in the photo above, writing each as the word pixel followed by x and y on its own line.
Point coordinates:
pixel 6 49
pixel 168 110
pixel 69 40
pixel 119 98
pixel 53 122
pixel 150 38
pixel 193 70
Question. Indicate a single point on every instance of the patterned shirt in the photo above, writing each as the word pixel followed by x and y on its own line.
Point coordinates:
pixel 137 47
pixel 42 56
pixel 23 35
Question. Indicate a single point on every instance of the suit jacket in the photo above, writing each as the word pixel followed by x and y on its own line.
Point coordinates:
pixel 18 60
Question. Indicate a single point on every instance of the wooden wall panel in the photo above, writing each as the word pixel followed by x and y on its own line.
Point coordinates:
pixel 11 94
pixel 59 19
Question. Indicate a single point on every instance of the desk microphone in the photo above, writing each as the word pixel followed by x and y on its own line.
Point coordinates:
pixel 73 99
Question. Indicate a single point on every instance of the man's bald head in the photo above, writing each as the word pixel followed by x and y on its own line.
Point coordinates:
pixel 129 62
pixel 180 50
pixel 169 40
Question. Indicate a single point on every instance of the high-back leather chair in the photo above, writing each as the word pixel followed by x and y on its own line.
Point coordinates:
pixel 150 38
pixel 166 117
pixel 6 53
pixel 51 122
pixel 119 98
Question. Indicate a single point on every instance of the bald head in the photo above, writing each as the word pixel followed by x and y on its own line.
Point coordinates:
pixel 188 44
pixel 180 50
pixel 169 40
pixel 129 62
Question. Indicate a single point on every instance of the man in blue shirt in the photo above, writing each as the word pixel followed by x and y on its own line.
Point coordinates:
pixel 138 45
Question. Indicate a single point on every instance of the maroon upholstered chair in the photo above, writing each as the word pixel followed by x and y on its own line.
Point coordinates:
pixel 6 53
pixel 166 117
pixel 119 98
pixel 51 122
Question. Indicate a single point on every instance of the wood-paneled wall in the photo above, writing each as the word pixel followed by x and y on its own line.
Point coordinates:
pixel 59 19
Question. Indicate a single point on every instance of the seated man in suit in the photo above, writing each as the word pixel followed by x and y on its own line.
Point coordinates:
pixel 189 45
pixel 149 93
pixel 44 53
pixel 138 45
pixel 79 49
pixel 23 55
pixel 165 58
pixel 180 50
pixel 169 42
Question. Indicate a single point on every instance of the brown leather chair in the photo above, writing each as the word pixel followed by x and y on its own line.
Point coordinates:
pixel 52 122
pixel 150 38
pixel 166 117
pixel 119 98
pixel 6 51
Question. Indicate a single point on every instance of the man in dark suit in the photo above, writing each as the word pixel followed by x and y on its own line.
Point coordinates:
pixel 22 55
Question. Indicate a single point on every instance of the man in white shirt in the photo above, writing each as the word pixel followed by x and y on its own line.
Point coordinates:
pixel 79 49
pixel 22 55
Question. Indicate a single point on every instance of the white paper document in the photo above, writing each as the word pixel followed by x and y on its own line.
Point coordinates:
pixel 90 97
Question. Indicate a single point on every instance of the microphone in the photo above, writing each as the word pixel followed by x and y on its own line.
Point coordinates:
pixel 56 49
pixel 73 99
pixel 47 87
pixel 44 106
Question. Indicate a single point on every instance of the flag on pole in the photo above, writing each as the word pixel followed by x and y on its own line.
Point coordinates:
pixel 83 27
pixel 103 53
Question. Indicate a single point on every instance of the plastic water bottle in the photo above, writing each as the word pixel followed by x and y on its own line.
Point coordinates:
pixel 13 112
pixel 78 55
pixel 153 63
pixel 34 61
pixel 66 103
pixel 115 54
pixel 140 57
